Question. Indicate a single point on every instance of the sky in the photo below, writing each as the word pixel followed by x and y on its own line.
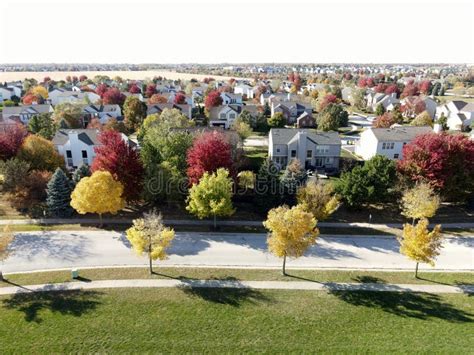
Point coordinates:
pixel 244 31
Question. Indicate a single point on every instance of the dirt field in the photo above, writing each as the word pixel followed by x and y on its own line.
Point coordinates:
pixel 134 75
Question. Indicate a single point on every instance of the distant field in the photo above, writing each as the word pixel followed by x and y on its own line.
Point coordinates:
pixel 134 75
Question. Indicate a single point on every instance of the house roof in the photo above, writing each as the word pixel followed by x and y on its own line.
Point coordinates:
pixel 101 108
pixel 87 136
pixel 468 107
pixel 17 110
pixel 459 104
pixel 285 135
pixel 399 134
pixel 158 108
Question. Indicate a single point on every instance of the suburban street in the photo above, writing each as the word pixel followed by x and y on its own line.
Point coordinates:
pixel 52 250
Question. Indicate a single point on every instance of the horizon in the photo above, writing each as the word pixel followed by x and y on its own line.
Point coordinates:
pixel 263 31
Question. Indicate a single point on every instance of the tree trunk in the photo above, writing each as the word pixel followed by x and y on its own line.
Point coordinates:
pixel 149 259
pixel 283 270
pixel 1 275
pixel 416 271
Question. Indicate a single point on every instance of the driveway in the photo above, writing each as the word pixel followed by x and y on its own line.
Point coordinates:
pixel 65 249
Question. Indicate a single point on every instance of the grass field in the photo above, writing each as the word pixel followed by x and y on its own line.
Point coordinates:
pixel 430 278
pixel 235 321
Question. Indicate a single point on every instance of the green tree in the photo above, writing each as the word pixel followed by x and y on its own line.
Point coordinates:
pixel 212 196
pixel 277 120
pixel 267 185
pixel 293 177
pixel 42 125
pixel 380 110
pixel 242 128
pixel 14 172
pixel 135 112
pixel 68 115
pixel 58 197
pixel 423 119
pixel 370 183
pixel 82 171
pixel 332 117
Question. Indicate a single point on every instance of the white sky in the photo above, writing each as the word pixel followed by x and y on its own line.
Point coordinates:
pixel 147 31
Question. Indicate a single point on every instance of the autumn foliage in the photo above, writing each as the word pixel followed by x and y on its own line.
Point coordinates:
pixel 213 99
pixel 157 99
pixel 113 96
pixel 445 161
pixel 11 140
pixel 209 152
pixel 122 161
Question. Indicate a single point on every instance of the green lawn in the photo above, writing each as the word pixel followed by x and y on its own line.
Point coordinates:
pixel 244 274
pixel 235 321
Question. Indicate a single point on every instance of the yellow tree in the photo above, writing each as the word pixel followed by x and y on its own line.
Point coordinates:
pixel 40 91
pixel 5 239
pixel 149 235
pixel 318 199
pixel 292 232
pixel 420 202
pixel 212 196
pixel 40 154
pixel 419 244
pixel 98 193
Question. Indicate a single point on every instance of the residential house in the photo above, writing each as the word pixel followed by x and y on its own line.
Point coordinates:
pixel 102 112
pixel 244 90
pixel 314 149
pixel 388 142
pixel 374 99
pixel 231 99
pixel 6 93
pixel 25 112
pixel 411 106
pixel 306 120
pixel 158 108
pixel 291 110
pixel 77 145
pixel 72 97
pixel 459 114
pixel 224 115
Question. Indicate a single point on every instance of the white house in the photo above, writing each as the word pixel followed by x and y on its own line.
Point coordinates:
pixel 223 115
pixel 314 149
pixel 6 93
pixel 459 114
pixel 77 145
pixel 231 99
pixel 388 142
pixel 58 96
pixel 244 89
pixel 24 113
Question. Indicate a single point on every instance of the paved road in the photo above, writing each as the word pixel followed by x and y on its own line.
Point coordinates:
pixel 65 249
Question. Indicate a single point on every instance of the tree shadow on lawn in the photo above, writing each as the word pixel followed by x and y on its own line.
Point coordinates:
pixel 423 306
pixel 232 292
pixel 73 302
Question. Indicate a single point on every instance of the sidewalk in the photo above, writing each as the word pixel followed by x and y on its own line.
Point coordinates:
pixel 262 285
pixel 191 222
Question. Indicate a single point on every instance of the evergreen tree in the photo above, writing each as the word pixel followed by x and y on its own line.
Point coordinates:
pixel 82 171
pixel 293 178
pixel 267 185
pixel 379 110
pixel 59 195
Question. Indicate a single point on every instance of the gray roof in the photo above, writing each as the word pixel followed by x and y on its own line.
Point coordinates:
pixel 459 104
pixel 88 136
pixel 400 133
pixel 158 108
pixel 284 135
pixel 16 110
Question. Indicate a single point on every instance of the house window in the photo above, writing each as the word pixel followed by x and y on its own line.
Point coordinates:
pixel 278 150
pixel 395 156
pixel 383 145
pixel 322 149
pixel 69 158
pixel 222 116
pixel 232 116
pixel 309 153
pixel 84 157
pixel 392 145
pixel 293 153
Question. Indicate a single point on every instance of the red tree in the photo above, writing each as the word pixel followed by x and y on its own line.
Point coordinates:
pixel 179 98
pixel 410 90
pixel 209 152
pixel 74 79
pixel 101 89
pixel 362 82
pixel 11 139
pixel 444 160
pixel 29 99
pixel 370 82
pixel 380 88
pixel 384 121
pixel 46 79
pixel 113 96
pixel 213 99
pixel 150 90
pixel 328 99
pixel 122 161
pixel 82 77
pixel 392 88
pixel 157 99
pixel 134 89
pixel 424 87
